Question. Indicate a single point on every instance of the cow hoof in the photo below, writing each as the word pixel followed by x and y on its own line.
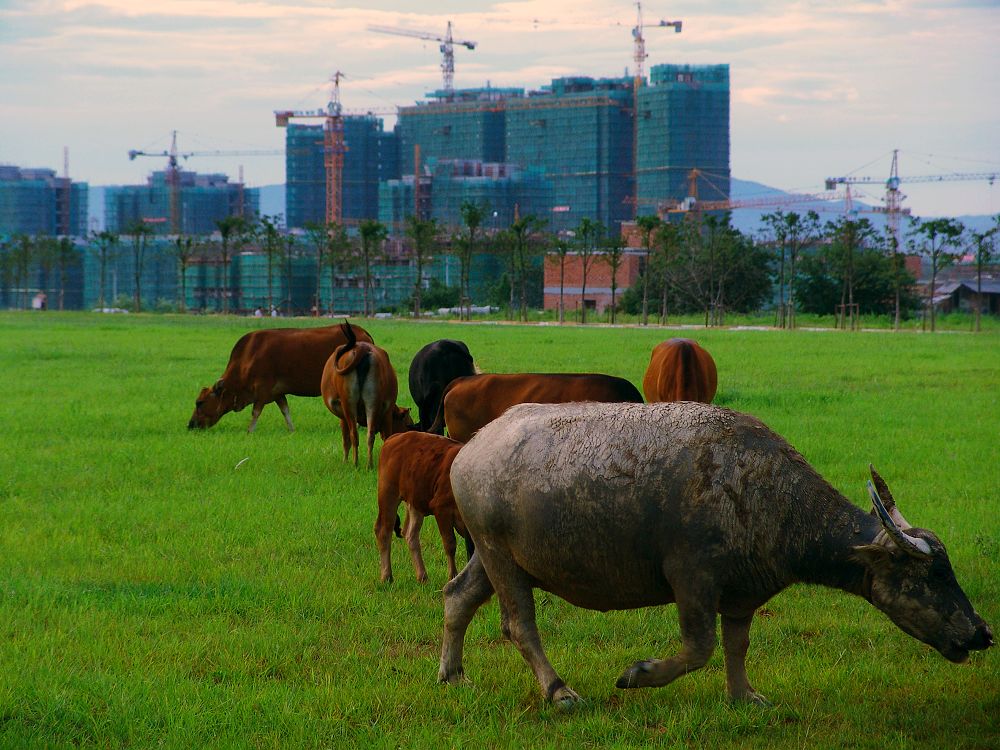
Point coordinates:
pixel 565 699
pixel 636 676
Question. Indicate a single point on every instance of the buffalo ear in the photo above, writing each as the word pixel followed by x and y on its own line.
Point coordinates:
pixel 872 556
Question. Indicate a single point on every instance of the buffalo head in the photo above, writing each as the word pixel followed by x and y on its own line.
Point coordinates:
pixel 211 404
pixel 911 580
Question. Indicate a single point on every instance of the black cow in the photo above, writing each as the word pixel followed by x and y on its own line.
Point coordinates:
pixel 432 369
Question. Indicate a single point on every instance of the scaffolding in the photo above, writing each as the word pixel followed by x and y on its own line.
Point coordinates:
pixel 371 156
pixel 202 200
pixel 37 202
pixel 683 126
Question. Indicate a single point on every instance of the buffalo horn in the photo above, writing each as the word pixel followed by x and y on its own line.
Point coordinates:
pixel 890 503
pixel 910 544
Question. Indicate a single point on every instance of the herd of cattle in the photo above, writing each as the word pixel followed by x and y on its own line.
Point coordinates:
pixel 572 484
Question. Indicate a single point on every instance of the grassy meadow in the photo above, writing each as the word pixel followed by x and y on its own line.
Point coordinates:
pixel 160 587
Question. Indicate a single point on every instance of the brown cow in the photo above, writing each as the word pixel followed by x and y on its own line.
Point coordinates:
pixel 680 370
pixel 414 468
pixel 359 386
pixel 266 366
pixel 473 401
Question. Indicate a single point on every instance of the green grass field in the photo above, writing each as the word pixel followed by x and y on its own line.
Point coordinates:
pixel 217 589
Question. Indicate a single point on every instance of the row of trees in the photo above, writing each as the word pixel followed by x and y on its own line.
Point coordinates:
pixel 699 264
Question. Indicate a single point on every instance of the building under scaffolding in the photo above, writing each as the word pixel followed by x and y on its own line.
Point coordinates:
pixel 683 126
pixel 371 156
pixel 37 202
pixel 201 201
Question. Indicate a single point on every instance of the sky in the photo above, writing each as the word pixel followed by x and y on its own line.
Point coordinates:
pixel 819 89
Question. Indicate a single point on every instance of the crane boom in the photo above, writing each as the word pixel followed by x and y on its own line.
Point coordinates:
pixel 448 43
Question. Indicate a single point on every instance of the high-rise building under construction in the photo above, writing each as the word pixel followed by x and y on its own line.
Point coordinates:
pixel 603 149
pixel 37 202
pixel 199 201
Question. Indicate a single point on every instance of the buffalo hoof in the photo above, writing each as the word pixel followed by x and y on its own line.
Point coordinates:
pixel 752 697
pixel 452 678
pixel 566 698
pixel 637 675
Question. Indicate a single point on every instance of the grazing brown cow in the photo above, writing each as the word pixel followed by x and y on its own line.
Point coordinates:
pixel 268 365
pixel 414 468
pixel 473 401
pixel 680 370
pixel 359 386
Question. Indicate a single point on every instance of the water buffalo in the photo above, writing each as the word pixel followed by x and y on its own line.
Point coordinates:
pixel 431 370
pixel 622 506
pixel 680 370
pixel 266 366
pixel 359 386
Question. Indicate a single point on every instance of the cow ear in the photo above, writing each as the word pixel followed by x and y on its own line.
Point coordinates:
pixel 217 388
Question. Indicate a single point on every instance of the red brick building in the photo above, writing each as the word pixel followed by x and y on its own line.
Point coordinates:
pixel 598 296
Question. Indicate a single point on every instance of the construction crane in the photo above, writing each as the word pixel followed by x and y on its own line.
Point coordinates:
pixel 446 48
pixel 692 204
pixel 893 208
pixel 637 82
pixel 334 146
pixel 173 172
pixel 640 41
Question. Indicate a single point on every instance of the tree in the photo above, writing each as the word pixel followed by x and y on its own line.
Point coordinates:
pixel 140 232
pixel 647 227
pixel 45 249
pixel 614 254
pixel 821 282
pixel 792 233
pixel 523 232
pixel 232 229
pixel 24 249
pixel 65 257
pixel 183 250
pixel 847 237
pixel 668 247
pixel 106 242
pixel 472 217
pixel 423 234
pixel 272 245
pixel 373 233
pixel 983 243
pixel 588 234
pixel 561 247
pixel 932 238
pixel 287 249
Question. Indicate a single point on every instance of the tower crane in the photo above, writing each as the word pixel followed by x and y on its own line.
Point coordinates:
pixel 893 208
pixel 640 59
pixel 173 172
pixel 640 41
pixel 446 48
pixel 334 146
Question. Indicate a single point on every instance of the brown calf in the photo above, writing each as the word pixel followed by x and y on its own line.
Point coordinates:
pixel 473 401
pixel 267 365
pixel 414 468
pixel 680 370
pixel 359 386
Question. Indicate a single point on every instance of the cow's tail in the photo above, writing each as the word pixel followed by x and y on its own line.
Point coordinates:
pixel 349 356
pixel 438 426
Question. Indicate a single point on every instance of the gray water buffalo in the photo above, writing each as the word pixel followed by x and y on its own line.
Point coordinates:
pixel 618 506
